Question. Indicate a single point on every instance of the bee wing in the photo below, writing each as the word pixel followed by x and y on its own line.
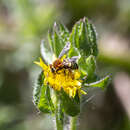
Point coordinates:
pixel 73 59
pixel 65 50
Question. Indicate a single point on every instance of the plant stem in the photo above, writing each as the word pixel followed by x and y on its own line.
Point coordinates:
pixel 59 123
pixel 58 114
pixel 73 123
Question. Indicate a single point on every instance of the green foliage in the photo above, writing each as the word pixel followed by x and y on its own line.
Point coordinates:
pixel 83 37
pixel 58 38
pixel 37 88
pixel 71 105
pixel 90 67
pixel 58 45
pixel 46 53
pixel 83 43
pixel 41 96
pixel 45 103
pixel 63 32
pixel 92 38
pixel 101 83
pixel 73 52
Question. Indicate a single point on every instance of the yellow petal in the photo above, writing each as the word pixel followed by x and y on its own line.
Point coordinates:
pixel 83 92
pixel 44 66
pixel 38 63
pixel 41 64
pixel 77 74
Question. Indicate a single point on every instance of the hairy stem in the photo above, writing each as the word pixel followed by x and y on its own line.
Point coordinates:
pixel 59 116
pixel 73 123
pixel 59 122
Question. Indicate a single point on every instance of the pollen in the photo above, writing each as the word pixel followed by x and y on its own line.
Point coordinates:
pixel 65 79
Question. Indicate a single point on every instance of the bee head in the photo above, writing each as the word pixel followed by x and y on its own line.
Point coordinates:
pixel 57 63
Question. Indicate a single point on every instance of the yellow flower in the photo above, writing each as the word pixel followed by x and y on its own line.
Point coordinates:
pixel 64 78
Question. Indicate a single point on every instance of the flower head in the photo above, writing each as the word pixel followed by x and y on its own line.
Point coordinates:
pixel 63 78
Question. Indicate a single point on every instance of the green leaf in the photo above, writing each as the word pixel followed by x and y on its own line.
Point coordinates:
pixel 83 40
pixel 58 45
pixel 59 38
pixel 83 37
pixel 37 88
pixel 90 66
pixel 73 52
pixel 63 32
pixel 101 83
pixel 74 36
pixel 46 53
pixel 83 44
pixel 45 104
pixel 50 40
pixel 41 95
pixel 71 105
pixel 87 65
pixel 92 37
pixel 82 65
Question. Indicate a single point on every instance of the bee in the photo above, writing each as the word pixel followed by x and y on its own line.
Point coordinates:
pixel 68 63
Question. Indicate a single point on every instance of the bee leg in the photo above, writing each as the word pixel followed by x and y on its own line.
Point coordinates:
pixel 57 71
pixel 52 70
pixel 70 73
pixel 64 72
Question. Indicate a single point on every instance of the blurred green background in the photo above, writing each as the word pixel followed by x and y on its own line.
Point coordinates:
pixel 24 23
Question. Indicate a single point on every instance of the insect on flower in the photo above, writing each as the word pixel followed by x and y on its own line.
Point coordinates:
pixel 66 63
pixel 63 73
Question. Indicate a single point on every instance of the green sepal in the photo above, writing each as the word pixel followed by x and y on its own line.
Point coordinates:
pixel 71 105
pixel 58 38
pixel 101 83
pixel 41 96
